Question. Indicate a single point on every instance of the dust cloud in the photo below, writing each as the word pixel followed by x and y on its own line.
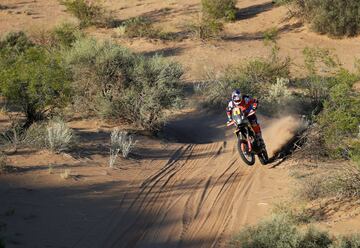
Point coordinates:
pixel 279 131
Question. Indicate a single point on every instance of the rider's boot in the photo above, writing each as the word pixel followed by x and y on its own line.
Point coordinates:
pixel 260 140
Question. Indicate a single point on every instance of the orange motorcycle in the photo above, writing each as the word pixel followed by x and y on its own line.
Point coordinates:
pixel 247 144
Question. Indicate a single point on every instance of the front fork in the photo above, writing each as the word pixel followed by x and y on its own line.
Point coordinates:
pixel 240 135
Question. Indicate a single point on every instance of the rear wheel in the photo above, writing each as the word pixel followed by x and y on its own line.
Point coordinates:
pixel 247 157
pixel 263 157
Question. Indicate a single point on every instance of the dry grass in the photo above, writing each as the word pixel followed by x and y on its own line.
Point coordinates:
pixel 120 141
pixel 51 169
pixel 59 136
pixel 3 162
pixel 66 174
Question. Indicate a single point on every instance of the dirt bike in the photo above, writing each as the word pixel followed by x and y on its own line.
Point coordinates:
pixel 248 145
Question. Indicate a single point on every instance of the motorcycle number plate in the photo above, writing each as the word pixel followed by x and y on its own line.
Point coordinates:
pixel 237 111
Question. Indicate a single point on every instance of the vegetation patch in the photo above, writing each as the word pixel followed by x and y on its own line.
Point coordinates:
pixel 280 232
pixel 120 142
pixel 59 136
pixel 205 29
pixel 112 82
pixel 219 9
pixel 336 18
pixel 266 77
pixel 142 27
pixel 32 79
pixel 89 13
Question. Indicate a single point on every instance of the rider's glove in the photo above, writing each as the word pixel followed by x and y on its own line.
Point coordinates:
pixel 254 106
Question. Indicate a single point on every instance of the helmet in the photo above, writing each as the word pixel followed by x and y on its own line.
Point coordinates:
pixel 236 97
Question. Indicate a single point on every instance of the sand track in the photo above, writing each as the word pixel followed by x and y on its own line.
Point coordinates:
pixel 201 196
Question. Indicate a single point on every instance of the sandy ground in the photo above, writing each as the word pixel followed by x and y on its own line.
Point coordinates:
pixel 192 191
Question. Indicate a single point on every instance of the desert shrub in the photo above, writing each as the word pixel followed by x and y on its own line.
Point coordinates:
pixel 351 241
pixel 3 162
pixel 35 136
pixel 59 136
pixel 342 183
pixel 139 27
pixel 219 9
pixel 120 141
pixel 320 61
pixel 100 72
pixel 279 232
pixel 314 238
pixel 115 83
pixel 66 34
pixel 254 77
pixel 143 27
pixel 278 96
pixel 336 18
pixel 155 88
pixel 340 118
pixel 205 29
pixel 312 188
pixel 270 35
pixel 32 80
pixel 295 212
pixel 273 233
pixel 13 135
pixel 62 36
pixel 326 86
pixel 17 42
pixel 321 65
pixel 354 151
pixel 89 13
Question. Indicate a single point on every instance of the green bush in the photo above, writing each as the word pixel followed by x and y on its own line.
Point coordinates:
pixel 219 9
pixel 254 77
pixel 100 72
pixel 321 67
pixel 295 212
pixel 115 83
pixel 206 29
pixel 31 79
pixel 279 232
pixel 66 34
pixel 139 27
pixel 62 36
pixel 337 18
pixel 89 13
pixel 340 118
pixel 15 43
pixel 270 35
pixel 351 241
pixel 314 238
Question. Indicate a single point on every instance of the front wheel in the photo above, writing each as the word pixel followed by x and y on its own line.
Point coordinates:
pixel 246 156
pixel 263 157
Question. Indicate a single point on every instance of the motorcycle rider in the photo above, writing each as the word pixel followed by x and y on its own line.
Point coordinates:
pixel 246 104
